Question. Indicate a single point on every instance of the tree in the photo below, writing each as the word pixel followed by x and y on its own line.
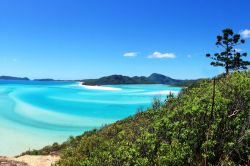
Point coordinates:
pixel 230 57
pixel 238 62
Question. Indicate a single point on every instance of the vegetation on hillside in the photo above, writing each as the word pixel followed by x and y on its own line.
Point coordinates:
pixel 202 126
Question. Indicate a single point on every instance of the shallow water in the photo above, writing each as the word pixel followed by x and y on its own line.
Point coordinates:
pixel 35 114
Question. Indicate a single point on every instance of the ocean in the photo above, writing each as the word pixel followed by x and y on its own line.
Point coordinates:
pixel 34 114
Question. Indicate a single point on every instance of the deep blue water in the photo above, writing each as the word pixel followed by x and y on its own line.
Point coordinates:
pixel 34 114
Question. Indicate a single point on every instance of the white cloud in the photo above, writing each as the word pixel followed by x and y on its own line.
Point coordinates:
pixel 238 49
pixel 245 33
pixel 157 54
pixel 130 54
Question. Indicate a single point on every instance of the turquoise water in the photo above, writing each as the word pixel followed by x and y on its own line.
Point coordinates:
pixel 35 114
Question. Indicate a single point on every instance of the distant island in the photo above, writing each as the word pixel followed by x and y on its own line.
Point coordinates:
pixel 11 78
pixel 152 79
pixel 14 78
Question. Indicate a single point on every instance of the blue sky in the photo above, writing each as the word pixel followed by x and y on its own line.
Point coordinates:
pixel 74 39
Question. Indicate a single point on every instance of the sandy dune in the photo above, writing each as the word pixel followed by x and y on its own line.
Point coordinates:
pixel 29 160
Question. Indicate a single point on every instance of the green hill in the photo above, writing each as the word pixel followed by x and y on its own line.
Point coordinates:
pixel 202 126
pixel 118 79
pixel 152 79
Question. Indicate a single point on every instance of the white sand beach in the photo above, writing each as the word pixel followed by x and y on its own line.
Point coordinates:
pixel 99 87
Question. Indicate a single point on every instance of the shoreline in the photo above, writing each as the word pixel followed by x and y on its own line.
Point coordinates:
pixel 96 87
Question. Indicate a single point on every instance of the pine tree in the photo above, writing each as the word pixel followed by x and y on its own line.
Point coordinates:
pixel 230 58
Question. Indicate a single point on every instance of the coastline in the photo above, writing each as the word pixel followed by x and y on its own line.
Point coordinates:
pixel 96 87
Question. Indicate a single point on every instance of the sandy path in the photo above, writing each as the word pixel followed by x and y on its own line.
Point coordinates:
pixel 29 160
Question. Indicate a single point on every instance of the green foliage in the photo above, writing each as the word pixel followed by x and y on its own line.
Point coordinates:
pixel 230 57
pixel 56 148
pixel 186 130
